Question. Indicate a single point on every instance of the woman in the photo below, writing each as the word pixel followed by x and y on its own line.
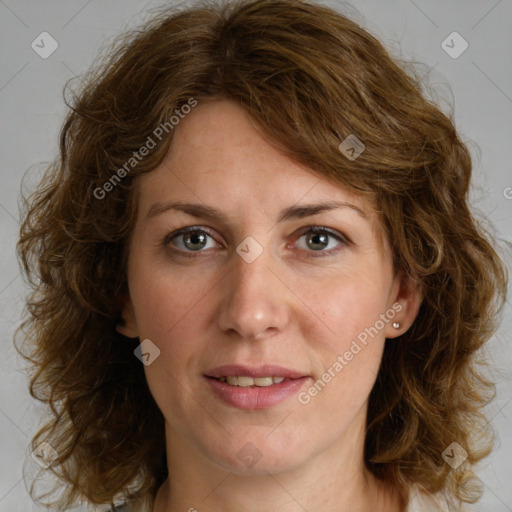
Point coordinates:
pixel 256 203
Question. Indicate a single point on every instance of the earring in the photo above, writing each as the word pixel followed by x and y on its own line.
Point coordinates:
pixel 396 325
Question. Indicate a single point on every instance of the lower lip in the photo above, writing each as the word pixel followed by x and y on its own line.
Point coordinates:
pixel 256 397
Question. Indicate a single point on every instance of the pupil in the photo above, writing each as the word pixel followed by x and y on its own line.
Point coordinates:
pixel 195 241
pixel 318 241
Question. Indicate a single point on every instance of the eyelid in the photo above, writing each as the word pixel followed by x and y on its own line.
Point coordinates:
pixel 316 228
pixel 188 229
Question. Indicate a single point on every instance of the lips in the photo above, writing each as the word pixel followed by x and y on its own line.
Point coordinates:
pixel 254 387
pixel 260 371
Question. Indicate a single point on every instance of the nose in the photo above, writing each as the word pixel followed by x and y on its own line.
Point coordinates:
pixel 254 303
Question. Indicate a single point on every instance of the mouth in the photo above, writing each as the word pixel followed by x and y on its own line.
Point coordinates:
pixel 244 381
pixel 254 387
pixel 252 375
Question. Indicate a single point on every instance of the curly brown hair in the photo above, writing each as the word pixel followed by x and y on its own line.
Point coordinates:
pixel 308 77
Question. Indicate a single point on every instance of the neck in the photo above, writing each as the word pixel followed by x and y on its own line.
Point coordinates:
pixel 273 492
pixel 335 480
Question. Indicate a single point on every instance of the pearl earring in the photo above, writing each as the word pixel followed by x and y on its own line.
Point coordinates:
pixel 396 325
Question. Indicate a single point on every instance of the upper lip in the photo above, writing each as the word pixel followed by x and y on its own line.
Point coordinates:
pixel 263 370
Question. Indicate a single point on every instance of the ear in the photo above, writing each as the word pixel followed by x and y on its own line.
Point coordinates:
pixel 128 326
pixel 405 301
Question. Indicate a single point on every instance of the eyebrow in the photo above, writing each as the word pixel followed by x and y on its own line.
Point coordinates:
pixel 210 213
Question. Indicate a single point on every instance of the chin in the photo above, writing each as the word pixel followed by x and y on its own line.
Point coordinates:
pixel 258 456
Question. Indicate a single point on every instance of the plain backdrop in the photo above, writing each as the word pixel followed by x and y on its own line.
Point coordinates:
pixel 477 83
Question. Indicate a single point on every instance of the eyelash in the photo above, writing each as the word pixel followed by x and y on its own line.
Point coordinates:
pixel 342 239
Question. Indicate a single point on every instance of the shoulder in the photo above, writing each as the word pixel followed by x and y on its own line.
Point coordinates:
pixel 421 501
pixel 126 507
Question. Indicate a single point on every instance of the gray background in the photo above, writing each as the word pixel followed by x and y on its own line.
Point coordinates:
pixel 478 84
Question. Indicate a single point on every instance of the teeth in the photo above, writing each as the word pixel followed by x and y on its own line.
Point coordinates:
pixel 245 382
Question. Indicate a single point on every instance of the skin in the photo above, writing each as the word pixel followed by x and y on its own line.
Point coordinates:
pixel 296 305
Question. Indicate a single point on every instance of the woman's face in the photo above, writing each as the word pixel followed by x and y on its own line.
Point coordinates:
pixel 242 257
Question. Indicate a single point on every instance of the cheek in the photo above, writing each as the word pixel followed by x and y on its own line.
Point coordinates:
pixel 167 301
pixel 348 339
pixel 349 304
pixel 172 310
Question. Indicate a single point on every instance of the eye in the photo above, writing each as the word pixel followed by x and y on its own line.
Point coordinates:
pixel 320 239
pixel 191 239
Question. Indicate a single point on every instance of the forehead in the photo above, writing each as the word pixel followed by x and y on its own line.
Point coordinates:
pixel 219 157
pixel 217 143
